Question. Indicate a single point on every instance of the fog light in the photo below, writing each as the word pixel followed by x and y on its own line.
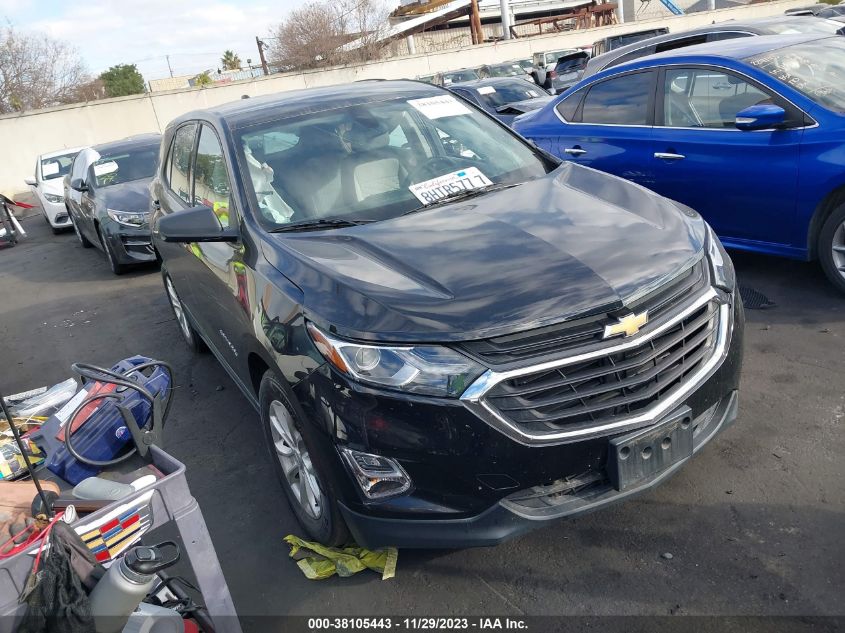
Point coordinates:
pixel 379 477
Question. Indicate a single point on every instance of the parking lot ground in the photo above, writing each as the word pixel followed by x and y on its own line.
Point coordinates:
pixel 754 524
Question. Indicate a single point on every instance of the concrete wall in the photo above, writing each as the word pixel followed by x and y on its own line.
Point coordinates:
pixel 23 137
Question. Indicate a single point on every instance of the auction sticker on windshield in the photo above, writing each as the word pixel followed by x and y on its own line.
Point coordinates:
pixel 438 107
pixel 436 189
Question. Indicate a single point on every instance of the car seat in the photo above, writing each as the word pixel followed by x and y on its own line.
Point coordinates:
pixel 373 167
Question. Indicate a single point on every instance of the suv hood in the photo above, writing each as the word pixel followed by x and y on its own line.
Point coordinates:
pixel 574 242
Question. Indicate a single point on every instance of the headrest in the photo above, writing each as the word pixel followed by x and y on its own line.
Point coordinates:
pixel 367 134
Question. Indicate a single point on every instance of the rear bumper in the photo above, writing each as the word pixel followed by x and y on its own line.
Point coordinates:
pixel 508 518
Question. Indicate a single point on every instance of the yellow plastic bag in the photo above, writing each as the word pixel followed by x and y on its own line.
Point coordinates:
pixel 328 561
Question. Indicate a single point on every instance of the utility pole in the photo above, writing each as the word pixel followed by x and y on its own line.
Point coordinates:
pixel 261 45
pixel 506 19
pixel 475 23
pixel 168 65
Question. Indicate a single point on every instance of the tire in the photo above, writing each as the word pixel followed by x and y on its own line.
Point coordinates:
pixel 831 247
pixel 189 334
pixel 83 241
pixel 292 447
pixel 116 268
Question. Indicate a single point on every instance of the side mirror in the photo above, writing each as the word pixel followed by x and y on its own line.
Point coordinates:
pixel 30 181
pixel 760 117
pixel 77 184
pixel 197 224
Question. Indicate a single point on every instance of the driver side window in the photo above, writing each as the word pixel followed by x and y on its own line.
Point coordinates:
pixel 707 98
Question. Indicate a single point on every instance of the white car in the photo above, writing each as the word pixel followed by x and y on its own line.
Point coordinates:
pixel 50 170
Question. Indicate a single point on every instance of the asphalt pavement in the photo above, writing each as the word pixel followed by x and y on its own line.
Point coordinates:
pixel 752 526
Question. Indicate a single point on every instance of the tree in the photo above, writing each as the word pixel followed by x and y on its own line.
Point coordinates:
pixel 37 71
pixel 202 80
pixel 122 80
pixel 230 60
pixel 312 35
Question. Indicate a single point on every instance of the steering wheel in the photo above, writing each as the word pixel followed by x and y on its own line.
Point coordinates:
pixel 430 168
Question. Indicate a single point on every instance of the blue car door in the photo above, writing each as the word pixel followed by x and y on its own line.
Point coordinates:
pixel 606 125
pixel 744 183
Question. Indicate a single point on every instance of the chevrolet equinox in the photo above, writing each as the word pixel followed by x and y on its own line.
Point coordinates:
pixel 451 337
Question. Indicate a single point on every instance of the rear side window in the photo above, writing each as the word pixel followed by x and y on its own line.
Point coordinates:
pixel 681 42
pixel 631 55
pixel 726 35
pixel 178 168
pixel 569 106
pixel 211 179
pixel 622 100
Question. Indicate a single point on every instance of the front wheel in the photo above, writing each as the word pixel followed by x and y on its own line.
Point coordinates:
pixel 116 268
pixel 299 465
pixel 192 339
pixel 83 241
pixel 831 247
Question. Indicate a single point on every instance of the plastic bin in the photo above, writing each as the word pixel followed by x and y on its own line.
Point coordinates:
pixel 168 500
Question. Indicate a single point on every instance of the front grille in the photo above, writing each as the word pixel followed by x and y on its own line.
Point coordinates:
pixel 552 341
pixel 612 386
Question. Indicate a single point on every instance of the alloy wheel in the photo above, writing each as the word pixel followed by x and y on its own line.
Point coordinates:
pixel 178 310
pixel 838 246
pixel 78 232
pixel 295 460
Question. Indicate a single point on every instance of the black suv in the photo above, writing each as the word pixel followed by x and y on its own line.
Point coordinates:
pixel 450 336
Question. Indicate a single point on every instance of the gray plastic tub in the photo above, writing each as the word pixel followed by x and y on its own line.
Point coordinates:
pixel 170 502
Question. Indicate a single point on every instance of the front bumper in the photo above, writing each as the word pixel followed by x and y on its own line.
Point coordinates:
pixel 467 475
pixel 56 214
pixel 129 245
pixel 510 518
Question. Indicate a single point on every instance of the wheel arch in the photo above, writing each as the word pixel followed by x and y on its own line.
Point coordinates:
pixel 830 202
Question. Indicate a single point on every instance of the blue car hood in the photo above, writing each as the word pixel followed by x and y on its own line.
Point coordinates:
pixel 573 242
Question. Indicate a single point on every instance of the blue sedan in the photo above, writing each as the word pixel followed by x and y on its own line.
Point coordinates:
pixel 748 132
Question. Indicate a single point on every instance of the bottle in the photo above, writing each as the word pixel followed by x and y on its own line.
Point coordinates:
pixel 126 583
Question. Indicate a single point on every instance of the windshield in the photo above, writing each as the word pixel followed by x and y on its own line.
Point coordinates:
pixel 506 70
pixel 379 160
pixel 624 40
pixel 807 25
pixel 508 92
pixel 458 76
pixel 816 69
pixel 119 167
pixel 56 166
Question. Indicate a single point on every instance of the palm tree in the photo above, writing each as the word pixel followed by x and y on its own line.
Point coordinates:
pixel 230 60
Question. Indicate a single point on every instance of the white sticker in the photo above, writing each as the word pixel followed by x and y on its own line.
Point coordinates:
pixel 438 107
pixel 50 169
pixel 64 413
pixel 486 90
pixel 109 167
pixel 431 191
pixel 533 93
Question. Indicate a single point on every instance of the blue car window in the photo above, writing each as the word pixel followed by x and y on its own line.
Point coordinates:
pixel 569 106
pixel 619 101
pixel 706 98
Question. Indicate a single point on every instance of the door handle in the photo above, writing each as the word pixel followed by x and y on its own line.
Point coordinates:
pixel 575 151
pixel 668 155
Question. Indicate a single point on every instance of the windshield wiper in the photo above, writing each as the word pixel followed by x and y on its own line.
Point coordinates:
pixel 463 195
pixel 321 223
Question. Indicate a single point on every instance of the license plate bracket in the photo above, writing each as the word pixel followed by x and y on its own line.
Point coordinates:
pixel 636 457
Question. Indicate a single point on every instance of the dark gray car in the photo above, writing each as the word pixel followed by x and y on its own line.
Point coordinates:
pixel 108 199
pixel 779 25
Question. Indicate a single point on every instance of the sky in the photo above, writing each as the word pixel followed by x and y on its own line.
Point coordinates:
pixel 193 32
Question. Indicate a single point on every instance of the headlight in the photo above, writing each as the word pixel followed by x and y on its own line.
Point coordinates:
pixel 423 369
pixel 50 197
pixel 721 266
pixel 129 218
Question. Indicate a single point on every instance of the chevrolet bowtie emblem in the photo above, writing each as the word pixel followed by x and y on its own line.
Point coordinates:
pixel 628 325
